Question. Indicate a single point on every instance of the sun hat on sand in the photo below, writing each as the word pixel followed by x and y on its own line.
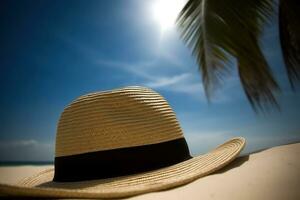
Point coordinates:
pixel 120 143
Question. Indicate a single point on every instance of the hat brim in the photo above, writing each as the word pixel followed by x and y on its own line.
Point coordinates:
pixel 41 185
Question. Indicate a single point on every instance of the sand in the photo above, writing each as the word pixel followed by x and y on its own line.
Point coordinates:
pixel 270 174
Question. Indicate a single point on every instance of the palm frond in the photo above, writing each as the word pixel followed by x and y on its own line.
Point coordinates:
pixel 289 32
pixel 213 61
pixel 220 30
pixel 257 81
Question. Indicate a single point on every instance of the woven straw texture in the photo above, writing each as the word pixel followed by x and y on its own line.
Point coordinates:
pixel 127 117
pixel 41 185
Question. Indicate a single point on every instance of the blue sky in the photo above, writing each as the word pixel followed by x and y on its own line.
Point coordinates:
pixel 53 51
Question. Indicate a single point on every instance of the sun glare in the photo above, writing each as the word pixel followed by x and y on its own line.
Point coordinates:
pixel 165 12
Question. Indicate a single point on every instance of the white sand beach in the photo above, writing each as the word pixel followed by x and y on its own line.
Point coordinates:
pixel 270 174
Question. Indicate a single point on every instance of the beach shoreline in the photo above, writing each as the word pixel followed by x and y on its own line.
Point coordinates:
pixel 273 173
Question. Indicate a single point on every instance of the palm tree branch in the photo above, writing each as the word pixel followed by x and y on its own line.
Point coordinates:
pixel 289 34
pixel 220 30
pixel 211 58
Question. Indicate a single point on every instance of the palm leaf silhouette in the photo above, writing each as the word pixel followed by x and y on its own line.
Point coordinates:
pixel 289 32
pixel 221 31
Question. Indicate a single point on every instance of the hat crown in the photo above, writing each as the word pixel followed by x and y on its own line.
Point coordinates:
pixel 126 117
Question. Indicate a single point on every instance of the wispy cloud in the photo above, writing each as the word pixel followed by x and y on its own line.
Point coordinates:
pixel 174 76
pixel 150 71
pixel 19 143
pixel 147 71
pixel 166 81
pixel 141 69
pixel 26 150
pixel 180 82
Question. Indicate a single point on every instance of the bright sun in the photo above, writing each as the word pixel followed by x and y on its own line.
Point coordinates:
pixel 165 12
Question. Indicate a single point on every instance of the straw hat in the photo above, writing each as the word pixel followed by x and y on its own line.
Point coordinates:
pixel 121 143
